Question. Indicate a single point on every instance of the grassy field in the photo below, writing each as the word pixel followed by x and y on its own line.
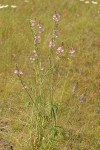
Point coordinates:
pixel 79 110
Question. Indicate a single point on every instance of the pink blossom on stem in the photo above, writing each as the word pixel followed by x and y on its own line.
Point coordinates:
pixel 33 23
pixel 55 33
pixel 36 38
pixel 33 55
pixel 56 17
pixel 18 72
pixel 72 52
pixel 40 28
pixel 60 49
pixel 52 44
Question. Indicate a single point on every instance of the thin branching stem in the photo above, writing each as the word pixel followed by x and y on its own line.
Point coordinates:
pixel 19 76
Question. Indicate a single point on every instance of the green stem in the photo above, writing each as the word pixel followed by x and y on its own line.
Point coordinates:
pixel 63 90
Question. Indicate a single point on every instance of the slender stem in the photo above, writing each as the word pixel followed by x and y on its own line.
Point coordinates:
pixel 19 76
pixel 51 77
pixel 63 90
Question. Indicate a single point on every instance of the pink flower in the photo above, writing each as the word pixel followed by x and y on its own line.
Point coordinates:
pixel 40 28
pixel 56 17
pixel 33 23
pixel 55 33
pixel 60 49
pixel 52 44
pixel 36 38
pixel 34 55
pixel 18 72
pixel 72 52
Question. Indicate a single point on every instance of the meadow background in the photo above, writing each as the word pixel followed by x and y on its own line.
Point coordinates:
pixel 79 111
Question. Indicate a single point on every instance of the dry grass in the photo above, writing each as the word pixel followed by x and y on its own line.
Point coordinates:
pixel 80 28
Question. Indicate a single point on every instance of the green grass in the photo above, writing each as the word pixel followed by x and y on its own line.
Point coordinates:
pixel 79 28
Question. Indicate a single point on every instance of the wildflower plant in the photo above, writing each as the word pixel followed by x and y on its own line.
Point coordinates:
pixel 44 106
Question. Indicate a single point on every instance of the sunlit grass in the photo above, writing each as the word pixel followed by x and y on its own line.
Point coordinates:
pixel 79 28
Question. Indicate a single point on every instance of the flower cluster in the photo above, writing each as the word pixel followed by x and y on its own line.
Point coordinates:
pixel 60 49
pixel 36 38
pixel 33 23
pixel 33 56
pixel 55 33
pixel 56 17
pixel 52 44
pixel 18 72
pixel 39 29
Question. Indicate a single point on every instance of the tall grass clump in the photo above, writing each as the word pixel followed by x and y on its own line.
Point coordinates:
pixel 44 107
